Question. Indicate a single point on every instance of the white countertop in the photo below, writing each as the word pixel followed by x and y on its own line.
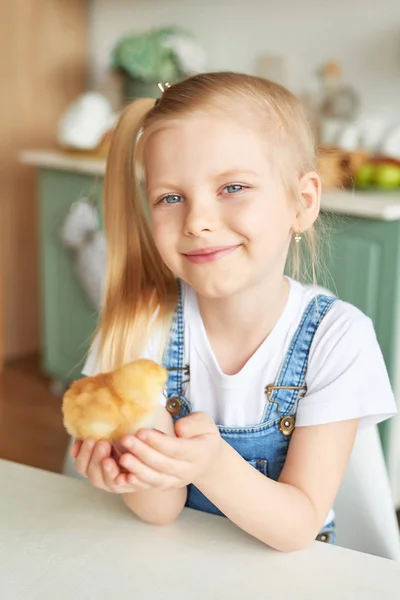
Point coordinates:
pixel 384 206
pixel 62 161
pixel 61 539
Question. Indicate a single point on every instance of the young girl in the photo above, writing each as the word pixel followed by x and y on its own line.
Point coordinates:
pixel 206 191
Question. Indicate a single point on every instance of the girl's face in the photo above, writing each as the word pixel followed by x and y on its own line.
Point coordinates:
pixel 220 217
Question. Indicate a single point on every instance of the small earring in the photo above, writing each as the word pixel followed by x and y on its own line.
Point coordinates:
pixel 297 238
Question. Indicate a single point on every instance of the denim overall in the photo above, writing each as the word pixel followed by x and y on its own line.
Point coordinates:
pixel 264 445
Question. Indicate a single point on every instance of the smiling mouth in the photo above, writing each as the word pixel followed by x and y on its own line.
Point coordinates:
pixel 211 254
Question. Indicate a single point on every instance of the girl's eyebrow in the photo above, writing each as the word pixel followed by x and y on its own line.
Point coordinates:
pixel 163 186
pixel 164 183
pixel 234 173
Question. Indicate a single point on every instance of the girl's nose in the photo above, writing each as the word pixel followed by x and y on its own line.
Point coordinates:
pixel 200 218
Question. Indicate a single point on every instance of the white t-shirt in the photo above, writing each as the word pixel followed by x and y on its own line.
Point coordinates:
pixel 346 376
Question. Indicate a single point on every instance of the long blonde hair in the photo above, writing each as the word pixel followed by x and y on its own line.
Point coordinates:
pixel 141 292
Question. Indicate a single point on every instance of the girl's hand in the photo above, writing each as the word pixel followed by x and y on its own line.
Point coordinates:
pixel 93 460
pixel 157 460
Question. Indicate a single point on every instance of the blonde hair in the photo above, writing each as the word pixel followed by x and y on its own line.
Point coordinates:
pixel 141 292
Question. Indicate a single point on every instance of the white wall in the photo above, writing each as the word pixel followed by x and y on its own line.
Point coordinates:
pixel 363 35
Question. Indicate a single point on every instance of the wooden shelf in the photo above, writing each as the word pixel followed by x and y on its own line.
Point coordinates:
pixel 44 69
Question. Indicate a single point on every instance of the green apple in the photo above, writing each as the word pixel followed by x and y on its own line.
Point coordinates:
pixel 387 176
pixel 365 175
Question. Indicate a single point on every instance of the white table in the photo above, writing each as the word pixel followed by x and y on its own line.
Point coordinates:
pixel 61 539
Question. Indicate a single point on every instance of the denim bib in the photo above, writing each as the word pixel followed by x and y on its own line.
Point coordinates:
pixel 263 445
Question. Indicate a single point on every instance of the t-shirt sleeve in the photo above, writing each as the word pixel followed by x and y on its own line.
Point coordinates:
pixel 347 376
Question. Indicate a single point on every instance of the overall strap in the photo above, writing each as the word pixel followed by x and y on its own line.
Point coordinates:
pixel 289 386
pixel 173 360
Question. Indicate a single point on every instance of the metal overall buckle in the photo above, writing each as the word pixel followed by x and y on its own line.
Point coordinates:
pixel 174 405
pixel 286 424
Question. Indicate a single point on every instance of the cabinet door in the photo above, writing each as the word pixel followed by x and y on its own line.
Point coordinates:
pixel 363 269
pixel 68 320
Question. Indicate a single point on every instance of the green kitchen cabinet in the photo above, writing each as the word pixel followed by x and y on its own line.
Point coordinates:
pixel 363 262
pixel 68 320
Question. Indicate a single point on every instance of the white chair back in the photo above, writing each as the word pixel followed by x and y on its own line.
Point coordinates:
pixel 365 514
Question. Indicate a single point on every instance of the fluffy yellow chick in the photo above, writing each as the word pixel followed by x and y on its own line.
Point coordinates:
pixel 110 405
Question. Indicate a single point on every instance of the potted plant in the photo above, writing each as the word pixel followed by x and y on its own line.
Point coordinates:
pixel 166 54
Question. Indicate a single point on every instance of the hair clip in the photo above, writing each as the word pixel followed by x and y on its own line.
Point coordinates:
pixel 163 86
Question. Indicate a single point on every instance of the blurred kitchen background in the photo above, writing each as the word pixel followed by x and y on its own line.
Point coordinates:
pixel 68 67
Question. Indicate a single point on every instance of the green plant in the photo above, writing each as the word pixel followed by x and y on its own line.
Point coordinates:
pixel 163 54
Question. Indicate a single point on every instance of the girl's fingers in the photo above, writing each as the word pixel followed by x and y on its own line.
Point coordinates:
pixel 111 472
pixel 132 482
pixel 146 474
pixel 84 456
pixel 101 451
pixel 153 458
pixel 75 447
pixel 93 460
pixel 120 483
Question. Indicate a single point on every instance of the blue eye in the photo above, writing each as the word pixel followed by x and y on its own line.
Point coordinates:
pixel 171 199
pixel 234 188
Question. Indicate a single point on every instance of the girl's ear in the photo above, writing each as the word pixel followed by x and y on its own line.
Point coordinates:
pixel 310 197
